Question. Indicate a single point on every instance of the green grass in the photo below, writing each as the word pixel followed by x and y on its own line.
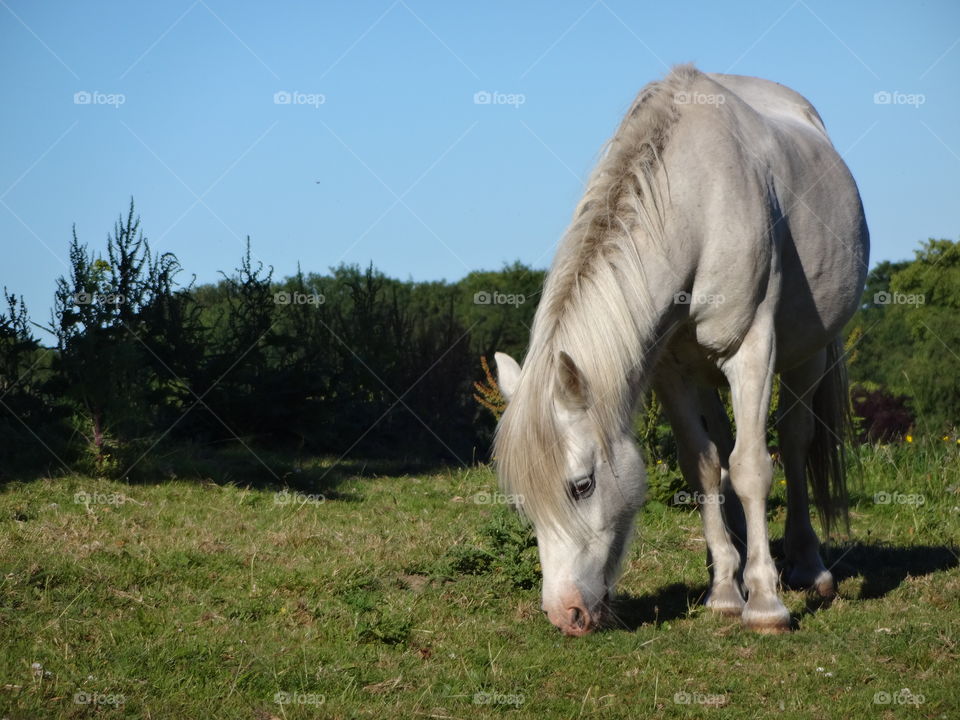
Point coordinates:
pixel 402 596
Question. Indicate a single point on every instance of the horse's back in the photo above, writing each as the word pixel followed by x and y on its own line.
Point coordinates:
pixel 772 100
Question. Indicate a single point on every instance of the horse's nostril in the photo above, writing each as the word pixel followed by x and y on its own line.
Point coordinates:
pixel 577 618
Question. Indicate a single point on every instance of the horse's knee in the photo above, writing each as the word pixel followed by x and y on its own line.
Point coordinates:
pixel 751 472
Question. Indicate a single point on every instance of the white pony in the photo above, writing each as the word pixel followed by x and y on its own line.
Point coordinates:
pixel 721 239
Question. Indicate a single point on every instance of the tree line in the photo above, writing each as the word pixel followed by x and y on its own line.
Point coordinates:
pixel 350 362
pixel 904 346
pixel 354 363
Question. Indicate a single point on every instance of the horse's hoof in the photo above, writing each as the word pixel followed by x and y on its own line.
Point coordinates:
pixel 726 600
pixel 766 616
pixel 819 581
pixel 825 586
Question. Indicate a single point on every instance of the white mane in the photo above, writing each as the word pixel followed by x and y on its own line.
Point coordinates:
pixel 594 307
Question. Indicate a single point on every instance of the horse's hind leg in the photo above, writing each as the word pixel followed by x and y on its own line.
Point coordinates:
pixel 700 461
pixel 795 423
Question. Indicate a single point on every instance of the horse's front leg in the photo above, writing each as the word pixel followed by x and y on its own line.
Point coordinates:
pixel 750 373
pixel 701 462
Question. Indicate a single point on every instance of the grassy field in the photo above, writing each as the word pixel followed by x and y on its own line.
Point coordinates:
pixel 368 592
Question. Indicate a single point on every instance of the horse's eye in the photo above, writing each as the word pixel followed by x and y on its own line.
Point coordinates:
pixel 582 488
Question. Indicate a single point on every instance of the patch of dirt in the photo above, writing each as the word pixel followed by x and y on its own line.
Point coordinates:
pixel 414 583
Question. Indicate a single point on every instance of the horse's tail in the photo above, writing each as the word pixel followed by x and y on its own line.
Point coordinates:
pixel 833 428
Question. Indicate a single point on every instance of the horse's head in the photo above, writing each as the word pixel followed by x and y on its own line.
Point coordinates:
pixel 579 483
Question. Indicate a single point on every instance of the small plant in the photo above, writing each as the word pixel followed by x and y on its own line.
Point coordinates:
pixel 664 481
pixel 488 393
pixel 372 622
pixel 881 415
pixel 100 451
pixel 384 628
pixel 515 548
pixel 469 560
pixel 362 596
pixel 505 547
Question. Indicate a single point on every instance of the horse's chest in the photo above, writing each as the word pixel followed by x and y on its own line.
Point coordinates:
pixel 692 360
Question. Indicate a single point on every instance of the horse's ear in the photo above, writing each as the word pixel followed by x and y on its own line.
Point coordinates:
pixel 573 389
pixel 508 374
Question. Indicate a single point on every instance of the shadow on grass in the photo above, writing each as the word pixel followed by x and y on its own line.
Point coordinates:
pixel 259 469
pixel 882 567
pixel 670 602
pixel 243 465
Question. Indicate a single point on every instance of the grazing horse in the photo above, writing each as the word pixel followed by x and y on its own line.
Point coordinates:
pixel 721 239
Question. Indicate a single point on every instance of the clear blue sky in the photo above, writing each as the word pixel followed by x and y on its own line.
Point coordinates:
pixel 398 165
